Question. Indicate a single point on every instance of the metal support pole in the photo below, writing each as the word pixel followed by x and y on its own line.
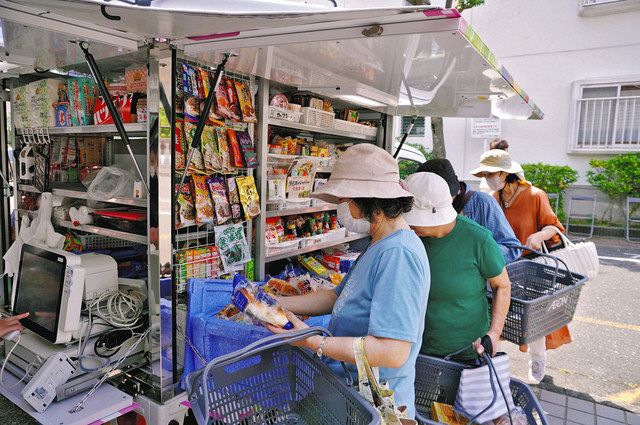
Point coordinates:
pixel 97 76
pixel 195 143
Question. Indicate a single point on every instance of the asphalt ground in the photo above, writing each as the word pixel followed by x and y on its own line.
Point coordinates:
pixel 602 363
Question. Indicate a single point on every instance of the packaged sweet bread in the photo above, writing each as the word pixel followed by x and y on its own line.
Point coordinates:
pixel 256 303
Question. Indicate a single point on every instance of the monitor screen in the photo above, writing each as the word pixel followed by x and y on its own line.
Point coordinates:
pixel 39 290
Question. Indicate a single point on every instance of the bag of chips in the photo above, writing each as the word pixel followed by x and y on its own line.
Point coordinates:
pixel 197 162
pixel 223 148
pixel 234 106
pixel 234 199
pixel 204 207
pixel 210 152
pixel 223 109
pixel 234 149
pixel 218 191
pixel 186 214
pixel 248 151
pixel 249 197
pixel 246 104
pixel 179 146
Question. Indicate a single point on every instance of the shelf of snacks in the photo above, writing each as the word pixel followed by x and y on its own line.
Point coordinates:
pixel 132 237
pixel 321 130
pixel 79 194
pixel 314 247
pixel 304 210
pixel 94 129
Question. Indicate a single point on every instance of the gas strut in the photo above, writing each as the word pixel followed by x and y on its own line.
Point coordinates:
pixel 95 71
pixel 204 114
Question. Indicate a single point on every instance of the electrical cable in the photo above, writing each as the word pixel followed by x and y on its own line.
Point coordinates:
pixel 4 364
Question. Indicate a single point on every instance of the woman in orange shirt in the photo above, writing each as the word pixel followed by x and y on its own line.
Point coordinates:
pixel 533 221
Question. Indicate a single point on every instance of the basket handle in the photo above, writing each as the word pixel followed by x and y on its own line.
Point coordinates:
pixel 546 255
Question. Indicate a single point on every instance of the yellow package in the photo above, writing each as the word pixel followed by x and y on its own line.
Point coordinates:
pixel 313 265
pixel 445 414
pixel 249 197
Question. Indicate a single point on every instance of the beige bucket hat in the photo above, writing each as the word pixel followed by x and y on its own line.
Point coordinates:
pixel 431 200
pixel 363 171
pixel 497 160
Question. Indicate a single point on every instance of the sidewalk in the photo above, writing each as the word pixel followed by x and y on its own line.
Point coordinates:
pixel 566 410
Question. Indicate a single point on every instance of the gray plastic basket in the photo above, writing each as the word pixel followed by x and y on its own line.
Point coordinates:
pixel 438 379
pixel 543 299
pixel 270 381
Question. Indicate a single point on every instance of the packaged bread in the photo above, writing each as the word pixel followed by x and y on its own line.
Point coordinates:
pixel 217 188
pixel 256 303
pixel 243 91
pixel 210 152
pixel 223 148
pixel 234 106
pixel 249 197
pixel 234 149
pixel 204 206
pixel 248 150
pixel 234 199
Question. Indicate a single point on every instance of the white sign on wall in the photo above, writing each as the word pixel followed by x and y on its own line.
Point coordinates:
pixel 485 128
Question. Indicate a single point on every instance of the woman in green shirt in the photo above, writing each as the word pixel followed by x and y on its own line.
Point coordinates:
pixel 463 256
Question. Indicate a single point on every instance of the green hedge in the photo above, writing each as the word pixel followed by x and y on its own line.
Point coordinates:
pixel 551 179
pixel 617 177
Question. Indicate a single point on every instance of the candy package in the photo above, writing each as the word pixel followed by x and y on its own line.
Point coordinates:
pixel 187 208
pixel 248 150
pixel 223 148
pixel 234 199
pixel 243 91
pixel 197 162
pixel 204 206
pixel 234 149
pixel 210 152
pixel 234 105
pixel 223 109
pixel 218 191
pixel 249 197
pixel 233 246
pixel 256 303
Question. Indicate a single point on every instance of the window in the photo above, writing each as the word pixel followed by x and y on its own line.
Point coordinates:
pixel 418 127
pixel 607 117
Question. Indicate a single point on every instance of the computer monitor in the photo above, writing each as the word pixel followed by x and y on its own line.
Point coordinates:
pixel 49 287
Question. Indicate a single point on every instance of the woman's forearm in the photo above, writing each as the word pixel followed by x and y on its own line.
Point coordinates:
pixel 380 352
pixel 312 304
pixel 501 286
pixel 548 232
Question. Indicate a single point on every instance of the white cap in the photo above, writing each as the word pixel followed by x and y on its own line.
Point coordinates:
pixel 431 201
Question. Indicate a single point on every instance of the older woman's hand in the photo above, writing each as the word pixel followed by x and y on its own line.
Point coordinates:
pixel 536 240
pixel 297 326
pixel 11 324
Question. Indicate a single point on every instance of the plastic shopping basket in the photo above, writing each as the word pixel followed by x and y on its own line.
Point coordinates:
pixel 544 298
pixel 437 380
pixel 281 385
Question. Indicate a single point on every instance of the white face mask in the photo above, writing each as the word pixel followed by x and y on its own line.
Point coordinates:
pixel 495 183
pixel 356 225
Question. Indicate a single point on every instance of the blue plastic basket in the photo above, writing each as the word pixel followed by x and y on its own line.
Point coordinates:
pixel 213 337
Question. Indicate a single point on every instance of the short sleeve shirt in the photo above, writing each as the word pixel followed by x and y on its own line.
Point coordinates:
pixel 385 295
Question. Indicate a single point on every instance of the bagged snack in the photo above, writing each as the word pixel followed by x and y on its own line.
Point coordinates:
pixel 223 148
pixel 234 199
pixel 277 188
pixel 135 77
pixel 218 191
pixel 444 413
pixel 248 150
pixel 234 149
pixel 233 246
pixel 179 146
pixel 249 197
pixel 203 76
pixel 280 287
pixel 197 162
pixel 189 80
pixel 313 266
pixel 204 206
pixel 246 104
pixel 234 106
pixel 191 109
pixel 210 152
pixel 187 209
pixel 228 312
pixel 82 94
pixel 257 304
pixel 223 109
pixel 179 101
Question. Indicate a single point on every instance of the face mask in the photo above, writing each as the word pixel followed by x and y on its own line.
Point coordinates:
pixel 356 225
pixel 495 183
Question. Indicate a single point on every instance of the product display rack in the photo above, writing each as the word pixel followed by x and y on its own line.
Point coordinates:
pixel 313 248
pixel 79 194
pixel 320 130
pixel 304 210
pixel 92 129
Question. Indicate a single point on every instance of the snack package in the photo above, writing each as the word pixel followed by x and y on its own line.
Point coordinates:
pixel 205 83
pixel 189 80
pixel 210 152
pixel 204 206
pixel 277 188
pixel 223 148
pixel 135 77
pixel 234 199
pixel 179 145
pixel 223 108
pixel 444 413
pixel 234 149
pixel 243 90
pixel 218 191
pixel 233 246
pixel 313 266
pixel 234 105
pixel 179 101
pixel 280 287
pixel 249 197
pixel 197 162
pixel 257 304
pixel 82 96
pixel 191 109
pixel 187 209
pixel 248 150
pixel 271 236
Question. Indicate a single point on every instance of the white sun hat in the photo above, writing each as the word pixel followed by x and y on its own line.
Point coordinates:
pixel 431 201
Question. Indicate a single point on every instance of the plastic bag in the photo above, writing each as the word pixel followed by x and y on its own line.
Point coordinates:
pixel 111 182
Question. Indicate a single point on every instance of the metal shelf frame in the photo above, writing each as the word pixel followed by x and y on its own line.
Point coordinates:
pixel 312 248
pixel 132 237
pixel 305 210
pixel 79 194
pixel 320 130
pixel 94 129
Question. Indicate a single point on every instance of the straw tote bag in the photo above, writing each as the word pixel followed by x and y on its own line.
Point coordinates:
pixel 581 257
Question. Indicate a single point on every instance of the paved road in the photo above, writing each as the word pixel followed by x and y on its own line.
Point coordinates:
pixel 603 362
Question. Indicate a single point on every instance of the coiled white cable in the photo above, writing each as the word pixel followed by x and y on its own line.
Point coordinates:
pixel 123 310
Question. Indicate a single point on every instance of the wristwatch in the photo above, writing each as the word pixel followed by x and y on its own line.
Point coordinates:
pixel 319 351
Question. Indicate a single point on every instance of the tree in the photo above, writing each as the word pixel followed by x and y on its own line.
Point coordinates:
pixel 437 124
pixel 617 177
pixel 408 167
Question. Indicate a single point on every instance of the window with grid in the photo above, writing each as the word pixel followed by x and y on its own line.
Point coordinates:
pixel 418 127
pixel 608 117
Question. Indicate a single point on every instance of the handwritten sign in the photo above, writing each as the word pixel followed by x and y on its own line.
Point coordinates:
pixel 485 128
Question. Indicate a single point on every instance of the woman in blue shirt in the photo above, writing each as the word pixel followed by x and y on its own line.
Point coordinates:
pixel 384 296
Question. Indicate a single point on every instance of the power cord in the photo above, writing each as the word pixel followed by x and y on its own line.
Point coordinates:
pixel 4 364
pixel 123 310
